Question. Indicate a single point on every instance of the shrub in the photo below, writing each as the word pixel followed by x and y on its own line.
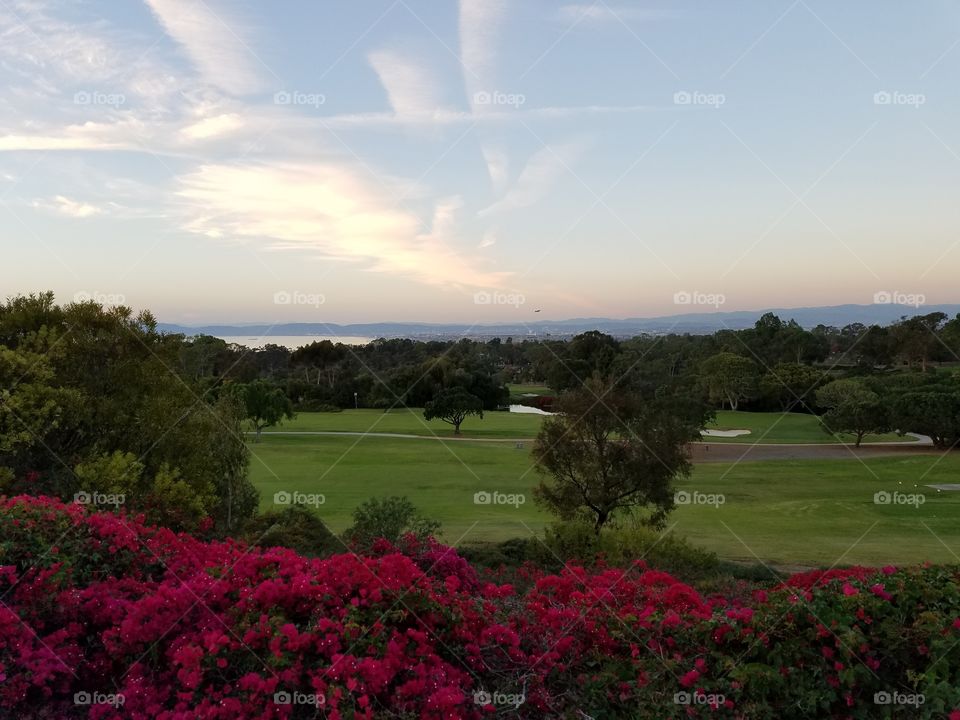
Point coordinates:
pixel 99 603
pixel 390 519
pixel 294 527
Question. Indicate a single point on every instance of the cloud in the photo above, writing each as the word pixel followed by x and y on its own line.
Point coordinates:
pixel 69 207
pixel 410 88
pixel 538 177
pixel 214 126
pixel 489 239
pixel 212 42
pixel 479 27
pixel 498 167
pixel 332 211
pixel 601 12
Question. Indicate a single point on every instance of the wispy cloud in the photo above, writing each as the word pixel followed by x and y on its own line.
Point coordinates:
pixel 214 42
pixel 539 176
pixel 329 210
pixel 412 92
pixel 480 25
pixel 601 12
pixel 69 207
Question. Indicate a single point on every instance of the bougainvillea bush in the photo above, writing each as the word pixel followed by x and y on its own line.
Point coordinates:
pixel 104 617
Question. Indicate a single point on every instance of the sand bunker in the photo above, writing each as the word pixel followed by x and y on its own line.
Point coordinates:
pixel 724 433
pixel 528 409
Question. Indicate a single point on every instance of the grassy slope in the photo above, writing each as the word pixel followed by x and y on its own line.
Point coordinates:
pixel 808 512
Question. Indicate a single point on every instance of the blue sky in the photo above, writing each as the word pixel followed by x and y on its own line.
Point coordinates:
pixel 476 160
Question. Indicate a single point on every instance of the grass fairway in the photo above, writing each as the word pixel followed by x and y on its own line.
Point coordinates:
pixel 821 512
pixel 409 421
pixel 783 428
pixel 764 427
pixel 440 478
pixel 800 512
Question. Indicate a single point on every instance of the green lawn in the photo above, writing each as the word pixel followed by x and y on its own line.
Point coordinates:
pixel 783 428
pixel 764 427
pixel 440 478
pixel 800 512
pixel 409 421
pixel 823 512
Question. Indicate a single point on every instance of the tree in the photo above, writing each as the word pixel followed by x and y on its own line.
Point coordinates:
pixel 391 519
pixel 265 404
pixel 729 378
pixel 852 408
pixel 917 338
pixel 598 457
pixel 91 401
pixel 934 412
pixel 453 405
pixel 790 384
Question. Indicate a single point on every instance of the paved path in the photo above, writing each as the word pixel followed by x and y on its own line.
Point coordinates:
pixel 462 438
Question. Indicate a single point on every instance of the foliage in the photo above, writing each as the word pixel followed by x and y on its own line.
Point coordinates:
pixel 453 406
pixel 609 450
pixel 729 378
pixel 264 404
pixel 295 527
pixel 99 603
pixel 852 408
pixel 92 401
pixel 390 519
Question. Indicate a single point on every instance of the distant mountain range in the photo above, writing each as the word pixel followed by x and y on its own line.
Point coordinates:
pixel 693 323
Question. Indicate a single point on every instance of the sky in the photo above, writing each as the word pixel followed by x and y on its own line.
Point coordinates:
pixel 477 161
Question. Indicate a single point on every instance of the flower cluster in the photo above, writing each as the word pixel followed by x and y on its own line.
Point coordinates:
pixel 105 617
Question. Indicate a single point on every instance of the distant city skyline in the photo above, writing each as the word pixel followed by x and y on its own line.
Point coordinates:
pixel 476 161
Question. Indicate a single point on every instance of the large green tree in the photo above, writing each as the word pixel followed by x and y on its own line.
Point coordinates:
pixel 264 404
pixel 609 451
pixel 852 408
pixel 729 378
pixel 453 406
